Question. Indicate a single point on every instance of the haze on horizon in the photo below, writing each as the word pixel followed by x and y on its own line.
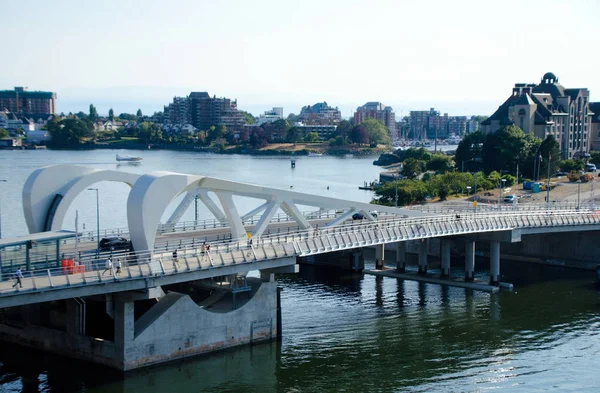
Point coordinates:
pixel 462 57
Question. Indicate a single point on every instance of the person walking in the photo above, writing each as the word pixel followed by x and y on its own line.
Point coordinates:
pixel 108 266
pixel 175 259
pixel 118 266
pixel 203 251
pixel 18 277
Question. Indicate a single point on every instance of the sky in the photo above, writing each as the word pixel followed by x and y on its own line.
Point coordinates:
pixel 461 57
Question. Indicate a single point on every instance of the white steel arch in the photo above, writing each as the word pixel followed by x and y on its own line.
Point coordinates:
pixel 65 181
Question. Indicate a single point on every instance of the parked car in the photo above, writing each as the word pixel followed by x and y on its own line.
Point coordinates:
pixel 590 168
pixel 559 174
pixel 115 243
pixel 360 216
pixel 510 198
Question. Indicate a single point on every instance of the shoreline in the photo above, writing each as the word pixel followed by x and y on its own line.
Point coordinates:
pixel 305 151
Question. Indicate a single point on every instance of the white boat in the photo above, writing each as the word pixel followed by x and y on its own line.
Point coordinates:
pixel 313 154
pixel 129 158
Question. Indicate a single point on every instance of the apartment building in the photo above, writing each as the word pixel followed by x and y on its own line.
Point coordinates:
pixel 376 110
pixel 29 103
pixel 320 113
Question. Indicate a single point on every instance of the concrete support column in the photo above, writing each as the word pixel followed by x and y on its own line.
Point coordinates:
pixel 494 262
pixel 73 317
pixel 469 260
pixel 379 256
pixel 358 262
pixel 267 276
pixel 400 257
pixel 124 323
pixel 445 257
pixel 423 256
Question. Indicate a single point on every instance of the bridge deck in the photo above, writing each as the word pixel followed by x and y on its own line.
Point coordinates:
pixel 148 270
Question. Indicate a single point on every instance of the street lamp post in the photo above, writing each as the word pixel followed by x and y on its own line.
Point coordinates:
pixel 578 187
pixel 3 181
pixel 396 197
pixel 97 215
pixel 501 187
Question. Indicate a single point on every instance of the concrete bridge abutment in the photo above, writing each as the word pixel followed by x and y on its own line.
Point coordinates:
pixel 145 331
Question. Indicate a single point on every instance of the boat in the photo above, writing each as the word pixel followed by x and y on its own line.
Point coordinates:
pixel 313 154
pixel 129 158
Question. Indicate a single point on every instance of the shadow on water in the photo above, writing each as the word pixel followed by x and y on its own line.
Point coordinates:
pixel 359 333
pixel 245 369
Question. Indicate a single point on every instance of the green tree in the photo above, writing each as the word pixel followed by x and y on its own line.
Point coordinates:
pixel 312 137
pixel 139 113
pixel 3 133
pixel 68 132
pixel 294 135
pixel 149 133
pixel 550 152
pixel 468 152
pixel 343 129
pixel 280 128
pixel 111 114
pixel 571 165
pixel 93 116
pixel 508 147
pixel 409 192
pixel 440 163
pixel 248 117
pixel 376 132
pixel 411 168
pixel 292 118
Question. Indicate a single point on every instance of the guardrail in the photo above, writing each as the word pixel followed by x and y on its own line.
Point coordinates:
pixel 136 265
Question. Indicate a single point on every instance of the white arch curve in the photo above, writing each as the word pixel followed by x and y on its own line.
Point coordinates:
pixel 148 199
pixel 82 183
pixel 42 186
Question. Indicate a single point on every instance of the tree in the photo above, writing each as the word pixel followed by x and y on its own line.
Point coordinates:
pixel 294 135
pixel 280 128
pixel 93 116
pixel 3 133
pixel 248 117
pixel 411 167
pixel 468 152
pixel 508 147
pixel 550 152
pixel 359 135
pixel 150 133
pixel 343 129
pixel 571 165
pixel 292 118
pixel 111 114
pixel 440 163
pixel 312 137
pixel 68 132
pixel 409 192
pixel 139 113
pixel 376 131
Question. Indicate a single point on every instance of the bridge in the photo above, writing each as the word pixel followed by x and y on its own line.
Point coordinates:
pixel 260 240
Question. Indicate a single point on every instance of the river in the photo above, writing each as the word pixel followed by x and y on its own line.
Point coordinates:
pixel 341 332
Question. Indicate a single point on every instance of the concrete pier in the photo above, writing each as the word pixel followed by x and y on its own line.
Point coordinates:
pixel 446 257
pixel 469 260
pixel 401 257
pixel 494 262
pixel 379 256
pixel 423 256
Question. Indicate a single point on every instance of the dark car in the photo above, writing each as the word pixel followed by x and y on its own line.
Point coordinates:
pixel 360 216
pixel 115 243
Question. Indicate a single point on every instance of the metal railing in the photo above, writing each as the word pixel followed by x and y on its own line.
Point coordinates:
pixel 137 265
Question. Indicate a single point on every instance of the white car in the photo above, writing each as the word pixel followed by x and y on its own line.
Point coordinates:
pixel 511 198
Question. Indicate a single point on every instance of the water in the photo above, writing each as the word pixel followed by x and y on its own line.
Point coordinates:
pixel 353 333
